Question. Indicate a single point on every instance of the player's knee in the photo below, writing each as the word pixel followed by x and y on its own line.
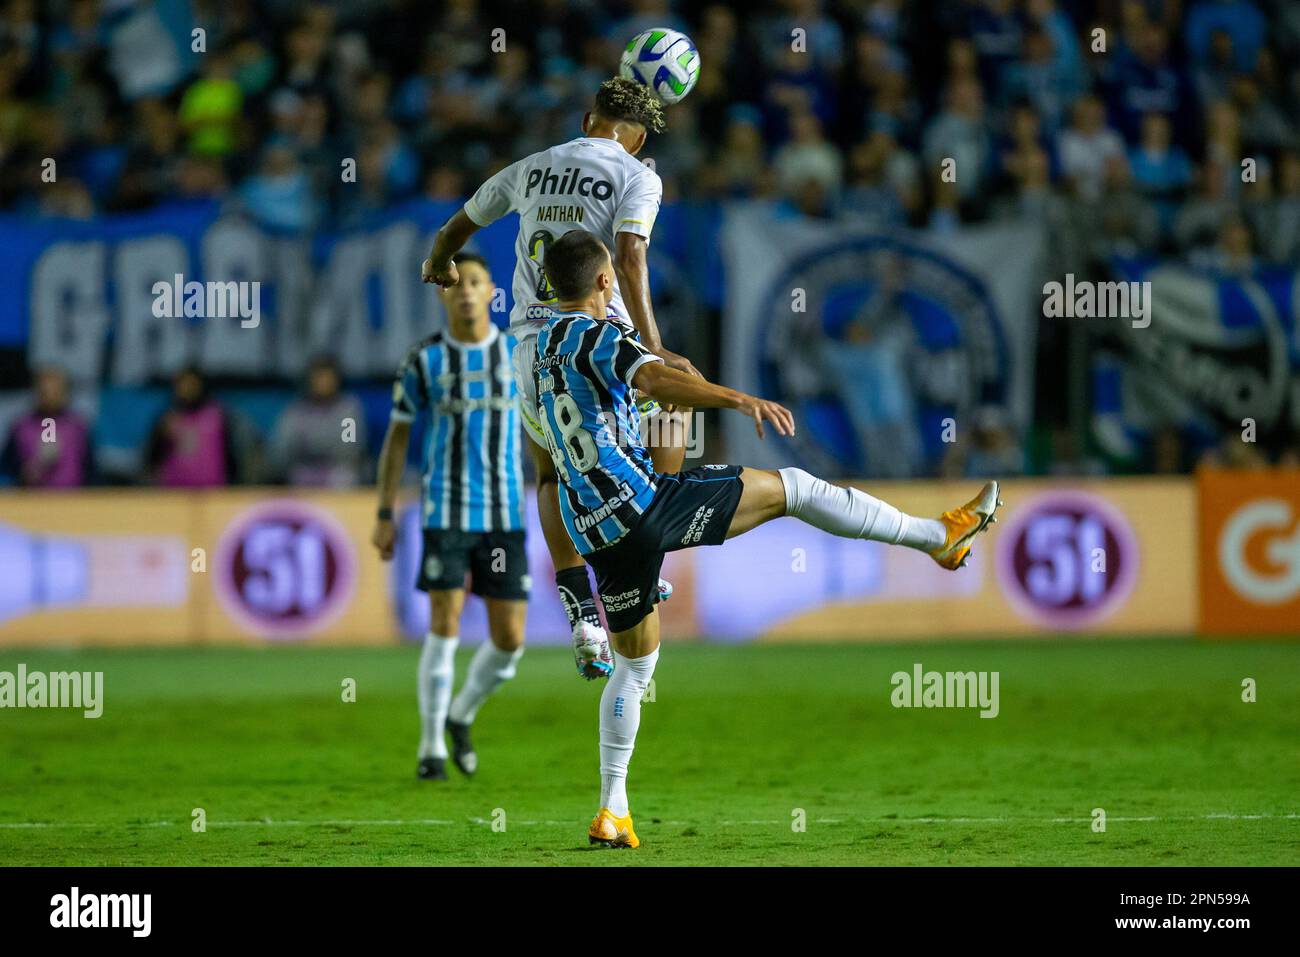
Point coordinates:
pixel 444 613
pixel 506 624
pixel 508 640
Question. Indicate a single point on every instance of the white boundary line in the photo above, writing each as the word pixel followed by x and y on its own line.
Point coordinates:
pixel 482 821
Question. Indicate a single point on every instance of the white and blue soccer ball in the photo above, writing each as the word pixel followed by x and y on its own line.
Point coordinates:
pixel 664 60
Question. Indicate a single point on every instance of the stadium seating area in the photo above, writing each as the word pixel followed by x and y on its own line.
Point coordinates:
pixel 1013 90
pixel 1118 124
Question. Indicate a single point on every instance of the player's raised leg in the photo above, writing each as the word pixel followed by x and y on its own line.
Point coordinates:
pixel 492 665
pixel 436 675
pixel 636 652
pixel 853 513
pixel 591 652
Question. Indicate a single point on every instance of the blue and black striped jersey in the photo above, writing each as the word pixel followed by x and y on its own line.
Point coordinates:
pixel 588 410
pixel 472 481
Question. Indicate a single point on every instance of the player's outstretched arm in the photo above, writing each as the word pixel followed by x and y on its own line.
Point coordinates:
pixel 451 238
pixel 667 385
pixel 391 460
pixel 634 283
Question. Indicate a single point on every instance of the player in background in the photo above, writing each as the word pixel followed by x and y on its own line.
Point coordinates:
pixel 472 513
pixel 623 516
pixel 595 183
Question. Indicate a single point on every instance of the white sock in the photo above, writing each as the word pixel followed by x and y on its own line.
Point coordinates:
pixel 437 671
pixel 620 716
pixel 490 667
pixel 852 513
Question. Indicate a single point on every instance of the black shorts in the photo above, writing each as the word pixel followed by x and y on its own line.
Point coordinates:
pixel 497 563
pixel 690 508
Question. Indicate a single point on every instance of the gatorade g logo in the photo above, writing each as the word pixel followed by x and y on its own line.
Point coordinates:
pixel 567 183
pixel 1272 525
pixel 285 569
pixel 1067 560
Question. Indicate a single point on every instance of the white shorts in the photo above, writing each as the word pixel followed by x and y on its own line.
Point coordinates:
pixel 525 353
pixel 523 357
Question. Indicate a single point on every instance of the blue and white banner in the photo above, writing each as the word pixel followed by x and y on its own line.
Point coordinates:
pixel 882 344
pixel 1222 352
pixel 82 295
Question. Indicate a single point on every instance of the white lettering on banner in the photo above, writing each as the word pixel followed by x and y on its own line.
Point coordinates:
pixel 146 347
pixel 233 249
pixel 93 306
pixel 69 312
pixel 1283 550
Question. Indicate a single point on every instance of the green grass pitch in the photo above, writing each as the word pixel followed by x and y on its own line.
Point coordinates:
pixel 739 743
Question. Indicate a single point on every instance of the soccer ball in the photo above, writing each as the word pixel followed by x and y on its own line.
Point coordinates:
pixel 664 60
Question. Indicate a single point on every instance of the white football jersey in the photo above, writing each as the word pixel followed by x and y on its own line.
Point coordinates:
pixel 589 183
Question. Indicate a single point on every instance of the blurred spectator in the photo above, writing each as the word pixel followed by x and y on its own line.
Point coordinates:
pixel 192 443
pixel 993 449
pixel 211 108
pixel 1145 79
pixel 1160 168
pixel 884 181
pixel 49 446
pixel 320 439
pixel 1277 221
pixel 1197 223
pixel 960 134
pixel 152 169
pixel 1047 81
pixel 1086 148
pixel 738 165
pixel 1263 126
pixel 1239 20
pixel 280 194
pixel 1127 222
pixel 808 158
pixel 1233 253
pixel 1215 71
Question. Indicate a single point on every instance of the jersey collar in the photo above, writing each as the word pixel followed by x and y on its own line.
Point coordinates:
pixel 493 334
pixel 604 141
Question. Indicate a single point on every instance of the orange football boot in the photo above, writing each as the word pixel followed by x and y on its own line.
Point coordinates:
pixel 963 524
pixel 612 831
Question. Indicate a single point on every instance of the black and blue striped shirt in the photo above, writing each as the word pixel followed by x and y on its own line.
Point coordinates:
pixel 587 407
pixel 472 475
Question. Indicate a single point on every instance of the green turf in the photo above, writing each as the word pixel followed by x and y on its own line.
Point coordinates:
pixel 736 740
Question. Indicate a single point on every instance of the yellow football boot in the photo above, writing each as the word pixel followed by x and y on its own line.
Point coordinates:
pixel 963 524
pixel 612 831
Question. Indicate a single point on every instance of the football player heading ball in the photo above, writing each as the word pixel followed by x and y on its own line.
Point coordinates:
pixel 596 183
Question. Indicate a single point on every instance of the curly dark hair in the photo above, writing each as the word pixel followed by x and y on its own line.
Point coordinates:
pixel 622 99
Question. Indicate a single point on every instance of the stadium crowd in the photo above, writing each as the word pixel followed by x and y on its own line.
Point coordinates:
pixel 838 108
pixel 1124 125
